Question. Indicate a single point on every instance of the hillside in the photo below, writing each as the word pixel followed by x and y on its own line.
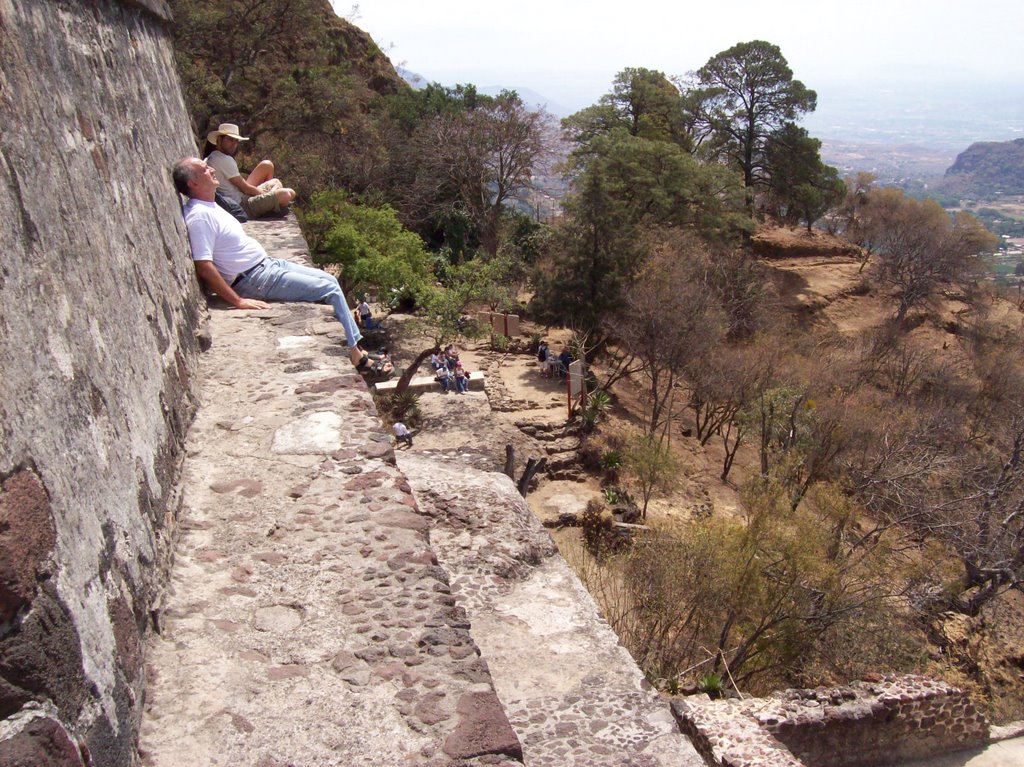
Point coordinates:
pixel 305 85
pixel 988 168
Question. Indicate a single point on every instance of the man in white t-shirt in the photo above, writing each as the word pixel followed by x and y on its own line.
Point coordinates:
pixel 402 433
pixel 259 193
pixel 237 268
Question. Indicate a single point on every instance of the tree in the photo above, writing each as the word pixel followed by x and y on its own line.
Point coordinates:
pixel 919 474
pixel 643 102
pixel 651 464
pixel 496 280
pixel 723 384
pixel 799 438
pixel 667 319
pixel 370 245
pixel 739 98
pixel 801 186
pixel 442 319
pixel 486 155
pixel 626 186
pixel 845 216
pixel 920 247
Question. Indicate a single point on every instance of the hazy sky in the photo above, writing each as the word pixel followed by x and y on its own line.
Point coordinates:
pixel 569 50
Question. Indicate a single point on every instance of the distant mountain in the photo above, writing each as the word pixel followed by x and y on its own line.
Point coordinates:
pixel 416 80
pixel 989 168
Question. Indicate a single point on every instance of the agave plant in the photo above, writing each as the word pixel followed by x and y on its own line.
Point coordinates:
pixel 712 685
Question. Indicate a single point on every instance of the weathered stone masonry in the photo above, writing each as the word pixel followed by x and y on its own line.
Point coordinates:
pixel 98 312
pixel 891 720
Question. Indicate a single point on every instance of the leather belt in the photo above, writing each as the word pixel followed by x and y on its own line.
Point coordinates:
pixel 246 273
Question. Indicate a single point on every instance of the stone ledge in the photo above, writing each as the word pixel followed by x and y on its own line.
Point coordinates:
pixel 572 693
pixel 307 620
pixel 427 384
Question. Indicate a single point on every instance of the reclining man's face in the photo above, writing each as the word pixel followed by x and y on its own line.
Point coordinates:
pixel 204 178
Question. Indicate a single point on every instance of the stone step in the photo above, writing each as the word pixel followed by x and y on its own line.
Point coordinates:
pixel 573 695
pixel 539 426
pixel 562 461
pixel 563 446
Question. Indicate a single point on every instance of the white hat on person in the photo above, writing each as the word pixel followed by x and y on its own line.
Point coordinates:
pixel 225 129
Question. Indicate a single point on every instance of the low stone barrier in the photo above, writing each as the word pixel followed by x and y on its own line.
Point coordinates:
pixel 888 720
pixel 502 324
pixel 422 384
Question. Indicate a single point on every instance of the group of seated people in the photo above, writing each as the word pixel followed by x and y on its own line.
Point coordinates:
pixel 550 365
pixel 449 370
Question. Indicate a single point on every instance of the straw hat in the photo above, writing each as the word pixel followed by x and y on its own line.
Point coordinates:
pixel 225 129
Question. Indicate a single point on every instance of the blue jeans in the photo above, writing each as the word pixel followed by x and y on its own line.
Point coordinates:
pixel 275 279
pixel 461 384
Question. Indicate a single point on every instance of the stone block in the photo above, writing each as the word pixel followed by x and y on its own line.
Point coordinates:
pixel 42 742
pixel 482 729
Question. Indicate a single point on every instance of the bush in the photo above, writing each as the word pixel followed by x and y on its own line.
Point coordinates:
pixel 598 403
pixel 611 462
pixel 747 590
pixel 499 343
pixel 402 407
pixel 599 534
pixel 712 685
pixel 370 245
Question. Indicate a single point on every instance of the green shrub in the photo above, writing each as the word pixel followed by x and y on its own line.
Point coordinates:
pixel 370 245
pixel 403 407
pixel 598 404
pixel 712 685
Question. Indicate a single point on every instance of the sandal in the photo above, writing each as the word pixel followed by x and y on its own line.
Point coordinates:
pixel 378 372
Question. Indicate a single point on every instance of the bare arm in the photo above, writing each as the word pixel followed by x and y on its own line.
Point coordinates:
pixel 210 277
pixel 244 186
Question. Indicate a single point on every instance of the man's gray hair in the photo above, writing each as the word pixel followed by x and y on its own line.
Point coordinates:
pixel 183 172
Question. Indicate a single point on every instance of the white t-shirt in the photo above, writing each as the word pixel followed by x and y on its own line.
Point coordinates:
pixel 400 429
pixel 227 169
pixel 215 235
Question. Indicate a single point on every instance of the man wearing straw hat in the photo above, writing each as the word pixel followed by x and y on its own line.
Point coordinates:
pixel 259 193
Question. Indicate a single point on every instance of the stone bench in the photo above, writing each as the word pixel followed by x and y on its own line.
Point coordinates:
pixel 427 383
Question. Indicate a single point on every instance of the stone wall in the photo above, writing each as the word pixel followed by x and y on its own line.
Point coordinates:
pixel 98 310
pixel 889 720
